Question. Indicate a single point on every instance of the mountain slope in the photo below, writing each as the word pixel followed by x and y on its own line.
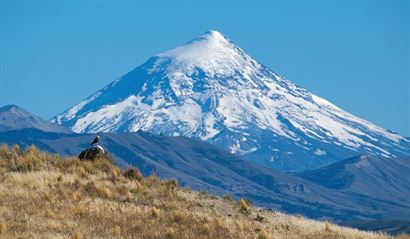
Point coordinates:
pixel 68 198
pixel 202 166
pixel 210 89
pixel 13 117
pixel 366 176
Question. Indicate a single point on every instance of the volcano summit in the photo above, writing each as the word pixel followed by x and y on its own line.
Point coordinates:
pixel 210 89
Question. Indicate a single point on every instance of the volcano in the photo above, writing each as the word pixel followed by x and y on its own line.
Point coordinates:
pixel 210 89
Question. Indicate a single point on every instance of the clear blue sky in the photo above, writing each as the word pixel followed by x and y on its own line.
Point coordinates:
pixel 354 53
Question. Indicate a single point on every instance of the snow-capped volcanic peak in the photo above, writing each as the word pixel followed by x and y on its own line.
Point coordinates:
pixel 210 46
pixel 211 52
pixel 212 90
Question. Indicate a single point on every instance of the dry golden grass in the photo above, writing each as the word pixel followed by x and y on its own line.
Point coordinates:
pixel 45 196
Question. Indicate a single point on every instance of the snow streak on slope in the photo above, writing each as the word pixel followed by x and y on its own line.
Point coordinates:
pixel 212 90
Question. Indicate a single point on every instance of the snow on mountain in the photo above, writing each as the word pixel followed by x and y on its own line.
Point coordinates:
pixel 210 89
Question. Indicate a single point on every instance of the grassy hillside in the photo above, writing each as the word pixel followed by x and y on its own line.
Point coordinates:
pixel 46 196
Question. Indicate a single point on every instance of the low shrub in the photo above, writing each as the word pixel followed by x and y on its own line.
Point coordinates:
pixel 133 174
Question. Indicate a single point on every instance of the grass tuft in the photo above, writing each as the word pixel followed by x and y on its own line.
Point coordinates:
pixel 51 214
pixel 155 212
pixel 169 233
pixel 117 231
pixel 244 206
pixel 228 198
pixel 327 226
pixel 105 192
pixel 2 228
pixel 206 229
pixel 78 235
pixel 81 210
pixel 263 234
pixel 179 216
